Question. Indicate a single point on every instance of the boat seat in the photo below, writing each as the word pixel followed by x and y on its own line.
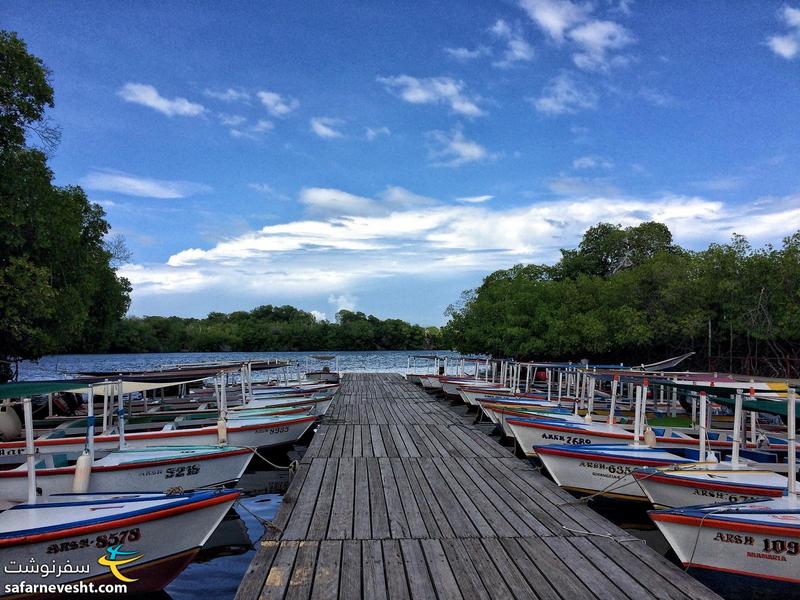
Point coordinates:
pixel 758 455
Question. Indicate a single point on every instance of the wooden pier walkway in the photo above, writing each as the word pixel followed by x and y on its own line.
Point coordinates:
pixel 399 496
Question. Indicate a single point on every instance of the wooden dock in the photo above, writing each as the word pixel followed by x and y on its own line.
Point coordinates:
pixel 399 496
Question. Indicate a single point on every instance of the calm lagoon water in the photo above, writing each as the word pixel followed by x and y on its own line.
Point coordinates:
pixel 59 366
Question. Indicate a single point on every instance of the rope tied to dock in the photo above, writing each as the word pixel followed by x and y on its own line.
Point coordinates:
pixel 292 466
pixel 603 535
pixel 269 527
pixel 618 481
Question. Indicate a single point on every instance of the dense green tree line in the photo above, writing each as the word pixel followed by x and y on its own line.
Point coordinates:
pixel 59 290
pixel 632 295
pixel 269 328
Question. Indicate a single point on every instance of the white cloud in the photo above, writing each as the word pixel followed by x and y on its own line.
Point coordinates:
pixel 517 47
pixel 107 180
pixel 332 202
pixel 656 97
pixel 328 201
pixel 372 132
pixel 788 45
pixel 433 90
pixel 595 40
pixel 465 54
pixel 325 127
pixel 555 17
pixel 231 120
pixel 592 162
pixel 333 256
pixel 147 95
pixel 453 149
pixel 267 190
pixel 277 105
pixel 319 315
pixel 229 95
pixel 342 302
pixel 791 16
pixel 564 95
pixel 254 132
pixel 475 199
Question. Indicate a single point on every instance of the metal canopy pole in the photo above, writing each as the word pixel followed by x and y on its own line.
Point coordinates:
pixel 30 450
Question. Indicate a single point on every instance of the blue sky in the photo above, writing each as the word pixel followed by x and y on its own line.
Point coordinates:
pixel 384 157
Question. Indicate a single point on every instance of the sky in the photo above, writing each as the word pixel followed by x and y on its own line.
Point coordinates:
pixel 383 157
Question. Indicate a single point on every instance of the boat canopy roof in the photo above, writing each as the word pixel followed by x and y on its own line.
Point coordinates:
pixel 777 406
pixel 27 389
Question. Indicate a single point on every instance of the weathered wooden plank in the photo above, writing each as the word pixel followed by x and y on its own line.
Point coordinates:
pixel 321 517
pixel 377 501
pixel 537 582
pixel 583 569
pixel 357 447
pixel 303 572
pixel 408 498
pixel 341 519
pixel 378 447
pixel 350 570
pixel 458 519
pixel 395 571
pixel 466 573
pixel 441 573
pixel 493 580
pixel 372 571
pixel 419 582
pixel 394 505
pixel 256 574
pixel 326 576
pixel 281 570
pixel 297 526
pixel 362 520
pixel 432 514
pixel 629 558
pixel 511 573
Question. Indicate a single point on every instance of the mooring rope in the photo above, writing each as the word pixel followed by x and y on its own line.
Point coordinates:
pixel 292 467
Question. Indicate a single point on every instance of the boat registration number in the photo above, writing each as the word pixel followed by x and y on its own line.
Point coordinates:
pixel 567 439
pixel 101 541
pixel 182 471
pixel 275 430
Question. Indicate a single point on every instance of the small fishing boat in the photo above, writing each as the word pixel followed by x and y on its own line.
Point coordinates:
pixel 750 474
pixel 151 469
pixel 142 540
pixel 531 433
pixel 607 470
pixel 245 431
pixel 747 549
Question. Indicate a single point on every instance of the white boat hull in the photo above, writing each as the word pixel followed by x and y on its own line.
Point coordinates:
pixel 245 432
pixel 149 470
pixel 744 555
pixel 165 541
pixel 708 484
pixel 596 476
